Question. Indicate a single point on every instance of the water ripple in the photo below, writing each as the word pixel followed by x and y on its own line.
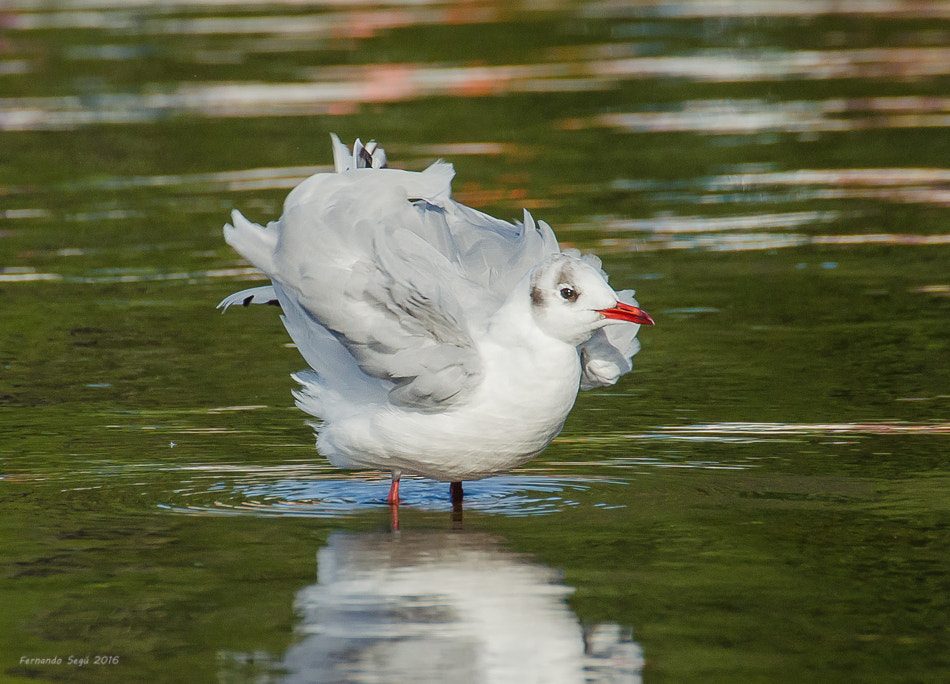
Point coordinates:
pixel 340 90
pixel 744 242
pixel 510 495
pixel 747 117
pixel 29 274
pixel 759 432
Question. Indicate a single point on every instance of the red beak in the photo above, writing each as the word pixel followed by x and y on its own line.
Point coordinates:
pixel 625 312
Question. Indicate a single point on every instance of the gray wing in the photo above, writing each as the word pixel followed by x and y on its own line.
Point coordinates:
pixel 395 271
pixel 349 252
pixel 415 333
pixel 494 253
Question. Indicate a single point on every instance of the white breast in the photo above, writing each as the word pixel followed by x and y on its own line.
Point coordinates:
pixel 527 391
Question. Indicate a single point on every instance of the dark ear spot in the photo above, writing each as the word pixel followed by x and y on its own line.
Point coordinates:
pixel 537 296
pixel 566 274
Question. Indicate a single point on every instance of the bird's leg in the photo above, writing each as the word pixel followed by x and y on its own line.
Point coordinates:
pixel 455 490
pixel 393 498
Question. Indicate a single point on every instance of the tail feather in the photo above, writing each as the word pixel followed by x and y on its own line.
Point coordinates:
pixel 255 243
pixel 319 399
pixel 368 156
pixel 313 394
pixel 342 159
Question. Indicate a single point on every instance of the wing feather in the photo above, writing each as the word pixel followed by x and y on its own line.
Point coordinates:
pixel 355 254
pixel 382 266
pixel 255 295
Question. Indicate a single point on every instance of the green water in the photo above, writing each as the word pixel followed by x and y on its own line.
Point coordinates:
pixel 765 498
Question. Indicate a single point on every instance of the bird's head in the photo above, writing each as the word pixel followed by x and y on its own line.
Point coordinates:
pixel 570 299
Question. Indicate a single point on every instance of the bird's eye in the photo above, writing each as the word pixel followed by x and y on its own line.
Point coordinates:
pixel 569 293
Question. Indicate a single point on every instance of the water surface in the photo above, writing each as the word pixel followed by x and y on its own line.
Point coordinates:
pixel 765 498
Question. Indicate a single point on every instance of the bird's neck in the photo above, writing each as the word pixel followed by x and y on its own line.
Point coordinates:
pixel 513 324
pixel 514 329
pixel 533 378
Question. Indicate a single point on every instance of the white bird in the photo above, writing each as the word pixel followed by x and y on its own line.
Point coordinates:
pixel 442 342
pixel 427 603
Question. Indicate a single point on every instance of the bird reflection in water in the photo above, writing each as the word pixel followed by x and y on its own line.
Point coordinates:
pixel 432 606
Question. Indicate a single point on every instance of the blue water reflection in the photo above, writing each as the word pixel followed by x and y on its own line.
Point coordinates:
pixel 510 495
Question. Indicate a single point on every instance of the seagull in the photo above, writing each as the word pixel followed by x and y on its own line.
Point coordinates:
pixel 441 342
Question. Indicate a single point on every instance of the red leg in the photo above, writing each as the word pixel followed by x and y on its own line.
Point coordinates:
pixel 393 499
